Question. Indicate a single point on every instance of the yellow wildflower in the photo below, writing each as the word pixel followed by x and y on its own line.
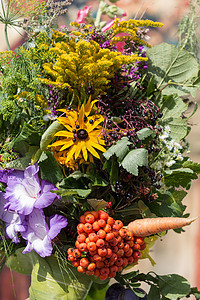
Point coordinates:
pixel 82 136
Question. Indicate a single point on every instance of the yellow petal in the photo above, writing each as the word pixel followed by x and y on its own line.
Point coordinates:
pixel 59 143
pixel 84 150
pixel 95 124
pixel 81 116
pixel 67 145
pixel 93 151
pixel 71 152
pixel 78 150
pixel 98 146
pixel 69 128
pixel 64 133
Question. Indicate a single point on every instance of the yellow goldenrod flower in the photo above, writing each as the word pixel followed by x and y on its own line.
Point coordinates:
pixel 80 64
pixel 82 134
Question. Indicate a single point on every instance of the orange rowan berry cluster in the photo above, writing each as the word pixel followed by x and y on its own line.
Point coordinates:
pixel 103 246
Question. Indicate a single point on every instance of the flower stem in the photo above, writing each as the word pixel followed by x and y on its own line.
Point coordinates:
pixel 6 36
pixel 99 13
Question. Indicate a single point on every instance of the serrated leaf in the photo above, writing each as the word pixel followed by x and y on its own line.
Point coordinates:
pixel 145 133
pixel 134 159
pixel 97 204
pixel 179 177
pixel 172 64
pixel 178 128
pixel 192 165
pixel 172 106
pixel 49 168
pixel 173 286
pixel 171 203
pixel 120 149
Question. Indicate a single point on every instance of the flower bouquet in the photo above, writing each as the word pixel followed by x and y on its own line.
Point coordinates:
pixel 94 163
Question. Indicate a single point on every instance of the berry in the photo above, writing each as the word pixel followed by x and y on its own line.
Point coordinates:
pixel 101 234
pixel 81 238
pixel 84 262
pixel 102 223
pixel 91 267
pixel 103 247
pixel 89 218
pixel 100 243
pixel 91 246
pixel 82 247
pixel 88 228
pixel 93 237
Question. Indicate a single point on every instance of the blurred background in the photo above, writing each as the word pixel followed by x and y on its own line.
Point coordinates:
pixel 175 253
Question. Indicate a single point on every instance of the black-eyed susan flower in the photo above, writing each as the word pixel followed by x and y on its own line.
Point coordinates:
pixel 82 136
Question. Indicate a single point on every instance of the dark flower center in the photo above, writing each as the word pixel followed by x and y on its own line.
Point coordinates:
pixel 82 134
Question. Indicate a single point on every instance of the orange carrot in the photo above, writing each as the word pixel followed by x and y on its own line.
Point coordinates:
pixel 148 226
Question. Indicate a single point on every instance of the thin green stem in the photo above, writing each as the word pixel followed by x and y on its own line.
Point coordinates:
pixel 6 36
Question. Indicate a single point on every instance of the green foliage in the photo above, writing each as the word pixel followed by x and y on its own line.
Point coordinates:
pixel 49 168
pixel 120 149
pixel 174 69
pixel 169 287
pixel 23 162
pixel 134 159
pixel 50 274
pixel 180 177
pixel 173 107
pixel 145 133
pixel 97 291
pixel 129 160
pixel 28 136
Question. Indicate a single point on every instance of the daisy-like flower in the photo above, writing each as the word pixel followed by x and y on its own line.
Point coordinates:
pixel 82 134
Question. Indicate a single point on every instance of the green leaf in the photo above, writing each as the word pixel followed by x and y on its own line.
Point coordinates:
pixel 51 279
pixel 20 263
pixel 120 149
pixel 134 159
pixel 70 192
pixel 173 286
pixel 172 64
pixel 48 135
pixel 172 106
pixel 28 136
pixel 112 168
pixel 49 168
pixel 145 133
pixel 23 162
pixel 179 177
pixel 154 293
pixel 97 204
pixel 192 165
pixel 130 275
pixel 97 291
pixel 128 213
pixel 96 179
pixel 178 128
pixel 171 203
